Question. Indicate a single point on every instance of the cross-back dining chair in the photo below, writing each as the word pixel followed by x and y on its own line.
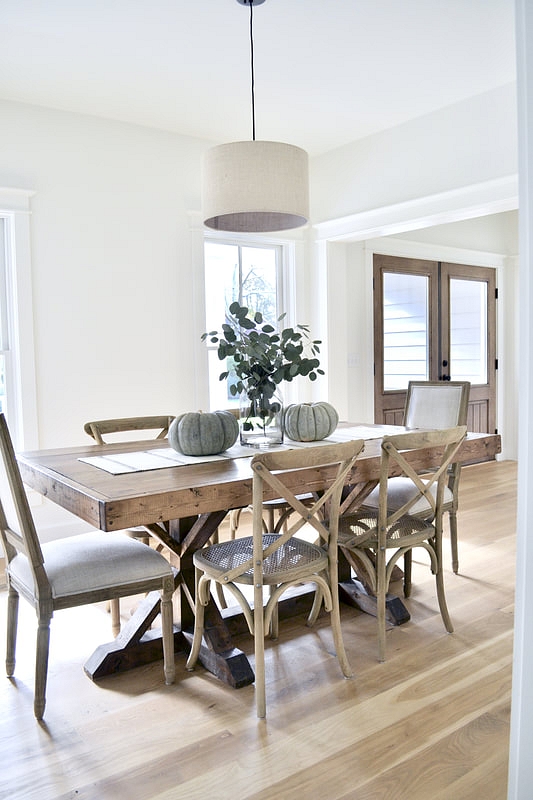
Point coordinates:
pixel 441 404
pixel 435 404
pixel 98 429
pixel 280 560
pixel 75 571
pixel 374 538
pixel 104 427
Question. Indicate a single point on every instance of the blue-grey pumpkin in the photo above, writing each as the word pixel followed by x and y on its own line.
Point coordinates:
pixel 310 422
pixel 203 434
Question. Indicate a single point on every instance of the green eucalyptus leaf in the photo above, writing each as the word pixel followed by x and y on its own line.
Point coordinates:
pixel 261 357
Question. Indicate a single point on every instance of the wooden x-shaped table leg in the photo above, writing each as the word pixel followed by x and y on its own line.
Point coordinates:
pixel 136 644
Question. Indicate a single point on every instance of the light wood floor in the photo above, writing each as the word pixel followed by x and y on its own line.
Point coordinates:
pixel 431 722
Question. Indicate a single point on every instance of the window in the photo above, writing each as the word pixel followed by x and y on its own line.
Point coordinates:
pixel 4 335
pixel 249 274
pixel 469 330
pixel 17 359
pixel 405 330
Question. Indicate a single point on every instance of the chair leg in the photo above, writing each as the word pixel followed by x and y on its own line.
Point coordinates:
pixel 12 622
pixel 381 597
pixel 270 524
pixel 274 620
pixel 234 519
pixel 407 570
pixel 315 608
pixel 114 607
pixel 199 615
pixel 259 652
pixel 335 620
pixel 167 627
pixel 220 594
pixel 41 665
pixel 453 539
pixel 439 577
pixel 439 580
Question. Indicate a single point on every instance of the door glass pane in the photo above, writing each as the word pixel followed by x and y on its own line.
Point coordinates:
pixel 405 329
pixel 468 331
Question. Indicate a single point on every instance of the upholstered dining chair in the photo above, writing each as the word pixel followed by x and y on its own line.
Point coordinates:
pixel 98 429
pixel 280 560
pixel 373 539
pixel 435 404
pixel 74 571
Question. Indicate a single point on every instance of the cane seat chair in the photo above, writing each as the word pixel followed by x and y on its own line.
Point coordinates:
pixel 98 429
pixel 279 561
pixel 74 571
pixel 434 404
pixel 373 539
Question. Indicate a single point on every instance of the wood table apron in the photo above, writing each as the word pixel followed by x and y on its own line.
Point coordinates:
pixel 183 506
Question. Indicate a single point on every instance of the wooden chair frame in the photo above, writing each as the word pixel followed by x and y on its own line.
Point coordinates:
pixel 100 428
pixel 412 419
pixel 281 560
pixel 366 537
pixel 20 540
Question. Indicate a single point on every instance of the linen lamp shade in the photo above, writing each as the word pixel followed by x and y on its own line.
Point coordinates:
pixel 255 186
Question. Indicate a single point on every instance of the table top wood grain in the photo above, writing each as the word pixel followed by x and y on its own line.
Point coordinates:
pixel 113 502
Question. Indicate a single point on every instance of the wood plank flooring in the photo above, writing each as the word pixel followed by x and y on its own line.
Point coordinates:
pixel 431 722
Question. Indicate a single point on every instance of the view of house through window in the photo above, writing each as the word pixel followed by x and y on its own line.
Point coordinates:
pixel 248 274
pixel 405 329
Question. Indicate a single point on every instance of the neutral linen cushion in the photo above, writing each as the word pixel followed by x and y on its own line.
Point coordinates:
pixel 399 491
pixel 93 561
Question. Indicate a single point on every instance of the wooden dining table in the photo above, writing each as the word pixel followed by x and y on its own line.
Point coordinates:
pixel 182 506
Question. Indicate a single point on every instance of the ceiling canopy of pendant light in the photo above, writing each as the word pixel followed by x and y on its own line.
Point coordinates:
pixel 255 186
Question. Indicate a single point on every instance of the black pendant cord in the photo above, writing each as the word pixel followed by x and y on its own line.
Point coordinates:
pixel 252 67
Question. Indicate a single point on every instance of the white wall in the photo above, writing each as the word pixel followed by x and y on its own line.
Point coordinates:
pixel 461 145
pixel 111 259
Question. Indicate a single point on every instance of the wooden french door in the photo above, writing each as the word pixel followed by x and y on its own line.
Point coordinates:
pixel 434 321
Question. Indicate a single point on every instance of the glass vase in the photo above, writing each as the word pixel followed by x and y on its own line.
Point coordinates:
pixel 261 418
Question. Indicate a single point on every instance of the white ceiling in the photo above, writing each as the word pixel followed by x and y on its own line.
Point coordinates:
pixel 326 73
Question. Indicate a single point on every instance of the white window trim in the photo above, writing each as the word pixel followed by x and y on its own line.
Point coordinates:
pixel 289 258
pixel 22 393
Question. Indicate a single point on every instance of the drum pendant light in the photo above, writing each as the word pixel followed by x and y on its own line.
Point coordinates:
pixel 255 186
